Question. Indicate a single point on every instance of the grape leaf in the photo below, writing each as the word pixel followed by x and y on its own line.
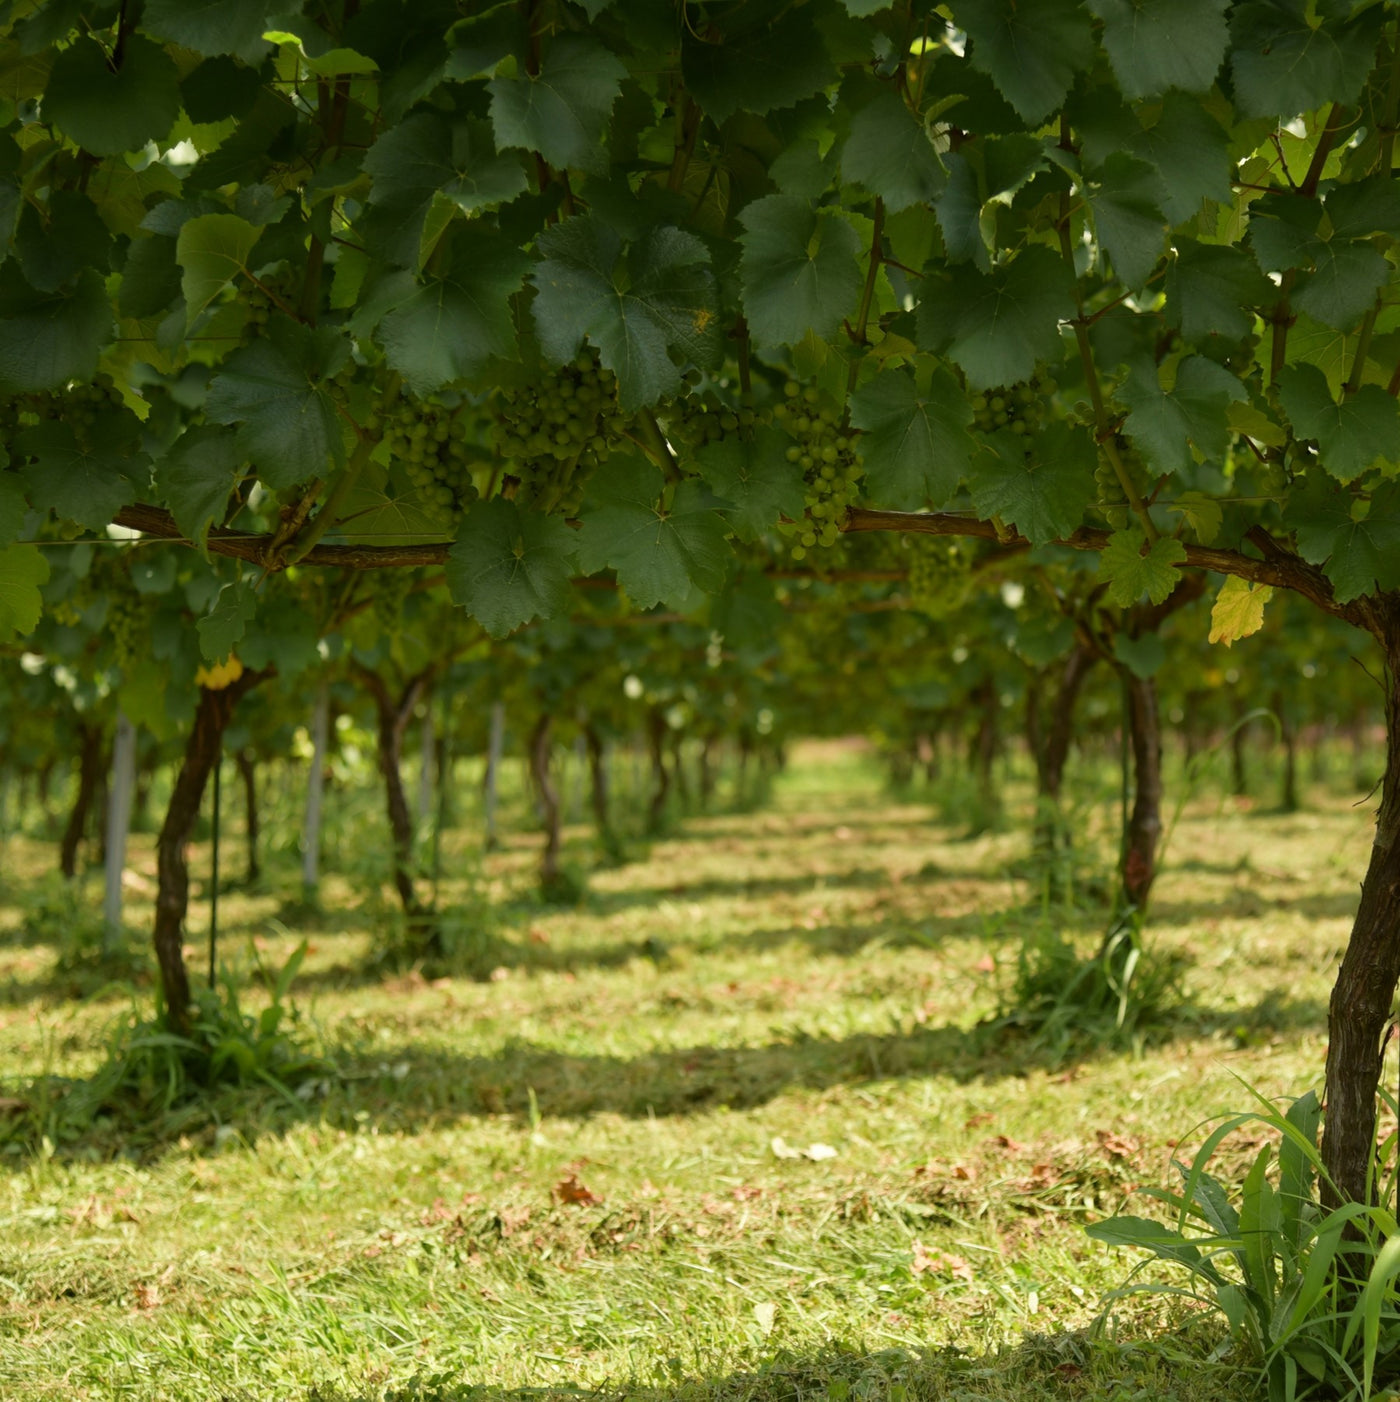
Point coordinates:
pixel 47 339
pixel 563 111
pixel 1358 556
pixel 660 553
pixel 768 67
pixel 1203 514
pixel 799 270
pixel 1342 287
pixel 997 325
pixel 749 618
pixel 426 154
pixel 223 626
pixel 1165 423
pixel 288 424
pixel 283 638
pixel 1131 568
pixel 888 153
pixel 150 278
pixel 509 566
pixel 54 250
pixel 1288 57
pixel 211 27
pixel 88 484
pixel 197 476
pixel 212 250
pixel 1155 45
pixel 1031 49
pixel 756 480
pixel 1143 656
pixel 23 569
pixel 1211 290
pixel 1043 495
pixel 448 328
pixel 1238 610
pixel 1362 207
pixel 1192 155
pixel 916 445
pixel 13 508
pixel 106 110
pixel 638 306
pixel 1130 226
pixel 1351 436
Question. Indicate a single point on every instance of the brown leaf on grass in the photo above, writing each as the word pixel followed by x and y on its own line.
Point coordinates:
pixel 986 965
pixel 147 1295
pixel 572 1189
pixel 1118 1146
pixel 982 1117
pixel 1012 1146
pixel 935 1262
pixel 1043 1175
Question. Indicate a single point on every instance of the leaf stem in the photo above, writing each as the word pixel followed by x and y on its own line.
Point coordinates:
pixel 867 294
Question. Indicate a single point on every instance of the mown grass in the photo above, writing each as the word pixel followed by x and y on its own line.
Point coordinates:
pixel 575 1172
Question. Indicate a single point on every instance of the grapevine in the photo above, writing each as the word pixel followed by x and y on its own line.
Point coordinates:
pixel 430 442
pixel 555 431
pixel 830 460
pixel 692 423
pixel 940 575
pixel 1112 499
pixel 390 595
pixel 128 624
pixel 1018 409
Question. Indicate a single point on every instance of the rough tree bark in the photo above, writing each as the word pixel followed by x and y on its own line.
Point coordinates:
pixel 1359 1011
pixel 248 773
pixel 1053 752
pixel 660 775
pixel 315 793
pixel 495 747
pixel 540 754
pixel 598 783
pixel 211 717
pixel 89 781
pixel 393 714
pixel 1144 832
pixel 1288 737
pixel 119 795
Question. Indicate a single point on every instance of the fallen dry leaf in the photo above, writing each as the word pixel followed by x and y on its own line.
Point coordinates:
pixel 1120 1146
pixel 927 1262
pixel 573 1190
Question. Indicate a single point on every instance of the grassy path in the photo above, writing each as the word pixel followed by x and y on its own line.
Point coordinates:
pixel 725 1130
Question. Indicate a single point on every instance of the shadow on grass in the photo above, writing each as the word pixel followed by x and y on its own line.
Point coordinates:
pixel 1183 1368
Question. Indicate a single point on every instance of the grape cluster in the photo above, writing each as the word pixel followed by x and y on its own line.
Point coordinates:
pixel 128 625
pixel 555 431
pixel 830 461
pixel 1112 500
pixel 694 422
pixel 263 300
pixel 1018 409
pixel 940 573
pixel 390 592
pixel 431 443
pixel 79 405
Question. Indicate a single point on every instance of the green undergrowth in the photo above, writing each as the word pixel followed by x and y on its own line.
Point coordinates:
pixel 747 1122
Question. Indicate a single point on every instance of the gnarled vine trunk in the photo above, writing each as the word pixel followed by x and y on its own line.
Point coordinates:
pixel 1144 830
pixel 89 782
pixel 202 750
pixel 393 715
pixel 660 775
pixel 248 773
pixel 540 753
pixel 1360 1009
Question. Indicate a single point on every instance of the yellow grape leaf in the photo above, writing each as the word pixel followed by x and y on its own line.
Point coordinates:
pixel 1238 610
